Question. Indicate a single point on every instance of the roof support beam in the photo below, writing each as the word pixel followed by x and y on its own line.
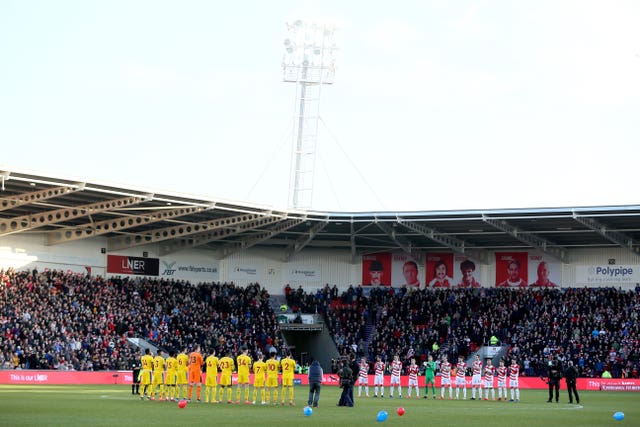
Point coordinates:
pixel 177 231
pixel 117 224
pixel 621 239
pixel 38 196
pixel 455 244
pixel 254 239
pixel 402 242
pixel 304 240
pixel 550 248
pixel 217 233
pixel 352 243
pixel 27 222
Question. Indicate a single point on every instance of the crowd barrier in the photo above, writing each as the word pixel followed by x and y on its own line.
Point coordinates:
pixel 126 377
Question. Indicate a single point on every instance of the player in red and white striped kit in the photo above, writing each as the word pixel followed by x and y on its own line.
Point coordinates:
pixel 502 380
pixel 445 377
pixel 514 371
pixel 396 369
pixel 489 372
pixel 412 371
pixel 363 377
pixel 378 379
pixel 461 382
pixel 476 379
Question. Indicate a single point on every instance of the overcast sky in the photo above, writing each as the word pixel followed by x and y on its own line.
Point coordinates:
pixel 436 104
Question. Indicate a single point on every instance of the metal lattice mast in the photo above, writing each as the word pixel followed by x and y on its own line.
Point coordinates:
pixel 309 61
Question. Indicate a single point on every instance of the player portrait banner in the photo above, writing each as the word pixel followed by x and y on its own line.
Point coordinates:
pixel 406 271
pixel 121 264
pixel 376 270
pixel 544 271
pixel 303 274
pixel 512 269
pixel 171 268
pixel 466 272
pixel 245 272
pixel 439 268
pixel 606 275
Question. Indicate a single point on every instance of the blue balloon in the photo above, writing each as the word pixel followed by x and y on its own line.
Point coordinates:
pixel 618 416
pixel 382 416
pixel 308 411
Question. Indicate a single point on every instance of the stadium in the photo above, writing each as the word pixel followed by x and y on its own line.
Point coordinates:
pixel 122 302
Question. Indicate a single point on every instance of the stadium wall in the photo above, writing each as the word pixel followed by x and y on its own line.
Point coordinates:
pixel 311 268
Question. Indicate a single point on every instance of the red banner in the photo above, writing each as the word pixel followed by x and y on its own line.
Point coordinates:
pixel 126 377
pixel 376 270
pixel 440 271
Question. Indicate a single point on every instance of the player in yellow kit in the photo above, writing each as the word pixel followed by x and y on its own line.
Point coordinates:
pixel 288 366
pixel 170 376
pixel 146 362
pixel 273 366
pixel 259 368
pixel 226 366
pixel 244 363
pixel 157 383
pixel 183 369
pixel 211 380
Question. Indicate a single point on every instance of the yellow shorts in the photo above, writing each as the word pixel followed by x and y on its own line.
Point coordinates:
pixel 211 380
pixel 225 380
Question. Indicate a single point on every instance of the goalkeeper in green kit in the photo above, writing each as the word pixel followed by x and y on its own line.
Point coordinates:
pixel 430 376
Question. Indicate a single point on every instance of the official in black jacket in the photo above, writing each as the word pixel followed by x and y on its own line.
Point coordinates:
pixel 555 375
pixel 571 375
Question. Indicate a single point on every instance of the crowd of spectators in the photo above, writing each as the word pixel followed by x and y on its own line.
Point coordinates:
pixel 69 321
pixel 596 328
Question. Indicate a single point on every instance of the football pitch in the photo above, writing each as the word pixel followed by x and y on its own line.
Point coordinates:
pixel 114 405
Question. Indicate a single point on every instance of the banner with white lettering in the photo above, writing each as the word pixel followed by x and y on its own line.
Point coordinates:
pixel 245 272
pixel 406 271
pixel 193 271
pixel 607 274
pixel 303 274
pixel 512 269
pixel 122 264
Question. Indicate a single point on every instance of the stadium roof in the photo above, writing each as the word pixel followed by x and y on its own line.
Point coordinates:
pixel 66 210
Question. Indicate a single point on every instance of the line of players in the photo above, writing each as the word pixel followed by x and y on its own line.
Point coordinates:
pixel 489 371
pixel 176 377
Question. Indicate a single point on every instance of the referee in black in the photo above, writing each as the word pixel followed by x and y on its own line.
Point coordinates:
pixel 571 375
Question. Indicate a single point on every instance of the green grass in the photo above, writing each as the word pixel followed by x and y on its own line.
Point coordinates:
pixel 113 405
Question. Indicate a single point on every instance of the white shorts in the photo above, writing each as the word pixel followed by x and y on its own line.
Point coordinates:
pixel 413 383
pixel 461 382
pixel 502 384
pixel 513 383
pixel 395 379
pixel 378 380
pixel 488 384
pixel 446 381
pixel 476 379
pixel 363 381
